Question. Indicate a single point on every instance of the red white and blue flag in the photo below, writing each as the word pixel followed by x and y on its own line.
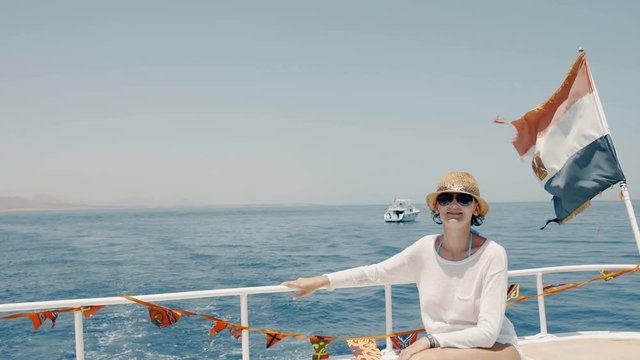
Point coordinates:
pixel 568 143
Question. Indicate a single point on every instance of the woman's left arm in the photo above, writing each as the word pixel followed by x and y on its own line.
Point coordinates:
pixel 491 309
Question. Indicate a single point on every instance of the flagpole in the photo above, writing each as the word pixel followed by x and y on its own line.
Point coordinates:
pixel 632 215
pixel 623 185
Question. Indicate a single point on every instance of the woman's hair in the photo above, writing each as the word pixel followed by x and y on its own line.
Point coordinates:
pixel 475 219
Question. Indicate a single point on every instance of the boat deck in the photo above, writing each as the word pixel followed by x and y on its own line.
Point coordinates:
pixel 593 349
pixel 585 346
pixel 596 345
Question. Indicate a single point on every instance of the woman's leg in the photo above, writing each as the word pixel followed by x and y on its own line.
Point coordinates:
pixel 497 352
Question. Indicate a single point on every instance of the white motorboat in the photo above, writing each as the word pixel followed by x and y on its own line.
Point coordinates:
pixel 401 210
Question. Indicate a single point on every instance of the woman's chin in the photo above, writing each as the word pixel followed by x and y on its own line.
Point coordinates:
pixel 456 221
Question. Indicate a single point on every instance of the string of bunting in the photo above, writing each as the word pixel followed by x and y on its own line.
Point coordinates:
pixel 39 317
pixel 513 295
pixel 362 348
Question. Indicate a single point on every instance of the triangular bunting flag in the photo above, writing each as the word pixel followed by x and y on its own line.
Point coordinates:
pixel 320 347
pixel 364 349
pixel 513 291
pixel 163 317
pixel 217 327
pixel 273 338
pixel 235 331
pixel 88 311
pixel 38 318
pixel 403 341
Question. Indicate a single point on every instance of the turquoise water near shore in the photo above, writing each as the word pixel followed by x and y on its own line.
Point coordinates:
pixel 96 253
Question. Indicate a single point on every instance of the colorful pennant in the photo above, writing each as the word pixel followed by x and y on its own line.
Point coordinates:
pixel 88 311
pixel 273 338
pixel 217 327
pixel 160 316
pixel 320 347
pixel 38 318
pixel 235 331
pixel 163 317
pixel 403 341
pixel 513 291
pixel 364 349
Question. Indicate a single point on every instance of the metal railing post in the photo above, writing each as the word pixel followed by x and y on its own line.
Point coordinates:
pixel 244 320
pixel 541 309
pixel 77 317
pixel 388 310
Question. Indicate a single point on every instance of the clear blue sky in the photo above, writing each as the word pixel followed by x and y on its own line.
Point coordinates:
pixel 326 102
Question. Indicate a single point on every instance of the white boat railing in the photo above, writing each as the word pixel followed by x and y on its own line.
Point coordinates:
pixel 244 293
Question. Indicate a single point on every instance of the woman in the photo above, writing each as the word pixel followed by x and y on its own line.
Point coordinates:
pixel 461 278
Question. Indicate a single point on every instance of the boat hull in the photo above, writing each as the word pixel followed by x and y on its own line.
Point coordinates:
pixel 404 217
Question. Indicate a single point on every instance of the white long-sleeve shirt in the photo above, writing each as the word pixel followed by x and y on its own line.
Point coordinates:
pixel 462 303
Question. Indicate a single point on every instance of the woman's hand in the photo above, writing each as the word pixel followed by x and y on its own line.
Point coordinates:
pixel 307 285
pixel 418 346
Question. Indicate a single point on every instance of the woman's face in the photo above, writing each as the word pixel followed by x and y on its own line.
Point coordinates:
pixel 456 208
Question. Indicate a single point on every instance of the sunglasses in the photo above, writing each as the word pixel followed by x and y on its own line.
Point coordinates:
pixel 445 199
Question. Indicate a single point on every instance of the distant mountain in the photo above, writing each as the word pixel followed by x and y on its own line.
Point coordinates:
pixel 47 202
pixel 9 203
pixel 144 202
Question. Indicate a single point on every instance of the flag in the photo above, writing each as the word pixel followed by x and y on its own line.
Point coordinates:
pixel 402 342
pixel 568 143
pixel 38 318
pixel 320 347
pixel 217 327
pixel 513 291
pixel 88 311
pixel 364 349
pixel 163 317
pixel 235 331
pixel 273 338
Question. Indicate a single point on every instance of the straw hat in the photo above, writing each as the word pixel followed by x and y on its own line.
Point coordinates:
pixel 459 182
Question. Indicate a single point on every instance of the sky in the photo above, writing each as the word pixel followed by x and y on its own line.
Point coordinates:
pixel 294 102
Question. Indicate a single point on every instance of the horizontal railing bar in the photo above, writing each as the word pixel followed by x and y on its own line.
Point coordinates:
pixel 570 268
pixel 116 300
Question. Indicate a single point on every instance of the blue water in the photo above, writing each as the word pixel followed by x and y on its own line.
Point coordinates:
pixel 80 254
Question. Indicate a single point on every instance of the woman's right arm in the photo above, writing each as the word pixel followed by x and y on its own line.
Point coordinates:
pixel 395 269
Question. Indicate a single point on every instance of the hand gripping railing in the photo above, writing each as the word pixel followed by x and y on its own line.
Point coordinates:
pixel 244 293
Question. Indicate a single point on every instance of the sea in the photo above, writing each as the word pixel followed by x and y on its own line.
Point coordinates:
pixel 55 255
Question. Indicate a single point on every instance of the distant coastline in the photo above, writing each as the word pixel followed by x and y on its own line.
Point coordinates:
pixel 16 204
